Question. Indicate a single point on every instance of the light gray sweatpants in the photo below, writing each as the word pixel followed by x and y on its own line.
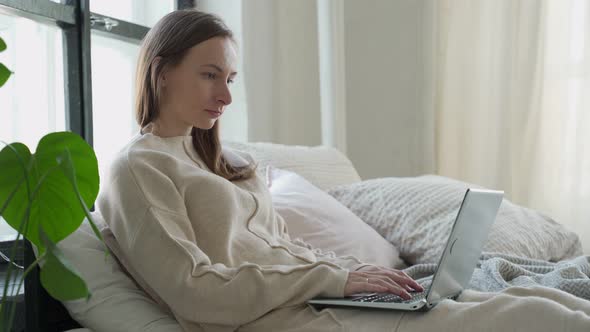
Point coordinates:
pixel 534 309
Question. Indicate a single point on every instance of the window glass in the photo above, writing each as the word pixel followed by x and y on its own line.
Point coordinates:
pixel 113 84
pixel 32 100
pixel 141 12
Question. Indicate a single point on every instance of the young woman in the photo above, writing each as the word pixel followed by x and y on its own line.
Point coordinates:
pixel 197 223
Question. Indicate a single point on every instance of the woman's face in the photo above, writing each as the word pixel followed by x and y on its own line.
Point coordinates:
pixel 197 90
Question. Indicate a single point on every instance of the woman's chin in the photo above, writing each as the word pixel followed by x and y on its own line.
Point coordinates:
pixel 205 126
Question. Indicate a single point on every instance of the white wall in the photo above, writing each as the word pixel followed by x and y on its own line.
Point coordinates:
pixel 390 126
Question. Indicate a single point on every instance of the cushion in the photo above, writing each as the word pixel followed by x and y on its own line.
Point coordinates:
pixel 127 268
pixel 323 166
pixel 416 215
pixel 321 221
pixel 116 304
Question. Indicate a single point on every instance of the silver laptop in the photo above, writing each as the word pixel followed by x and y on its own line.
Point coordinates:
pixel 457 263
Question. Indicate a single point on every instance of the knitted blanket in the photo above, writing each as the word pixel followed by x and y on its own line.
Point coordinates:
pixel 496 272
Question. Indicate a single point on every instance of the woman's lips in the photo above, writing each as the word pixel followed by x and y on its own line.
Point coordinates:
pixel 214 114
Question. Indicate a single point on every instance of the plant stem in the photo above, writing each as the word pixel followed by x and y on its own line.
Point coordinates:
pixel 12 250
pixel 23 224
pixel 19 231
pixel 7 283
pixel 27 271
pixel 41 180
pixel 66 169
pixel 5 205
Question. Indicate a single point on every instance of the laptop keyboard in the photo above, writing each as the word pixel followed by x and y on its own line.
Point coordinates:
pixel 391 298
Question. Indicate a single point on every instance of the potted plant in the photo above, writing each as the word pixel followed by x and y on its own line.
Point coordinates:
pixel 45 196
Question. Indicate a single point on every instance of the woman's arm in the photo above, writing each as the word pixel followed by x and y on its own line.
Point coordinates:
pixel 148 218
pixel 201 291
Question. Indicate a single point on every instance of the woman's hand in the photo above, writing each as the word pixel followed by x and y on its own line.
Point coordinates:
pixel 380 280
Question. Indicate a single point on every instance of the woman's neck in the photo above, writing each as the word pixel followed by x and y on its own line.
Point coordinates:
pixel 161 127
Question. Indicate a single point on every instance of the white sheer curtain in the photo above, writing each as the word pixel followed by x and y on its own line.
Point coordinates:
pixel 277 94
pixel 513 102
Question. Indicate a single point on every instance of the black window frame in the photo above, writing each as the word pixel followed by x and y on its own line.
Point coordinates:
pixel 43 313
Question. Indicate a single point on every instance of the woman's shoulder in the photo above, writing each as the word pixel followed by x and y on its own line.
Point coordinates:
pixel 146 172
pixel 140 146
pixel 147 150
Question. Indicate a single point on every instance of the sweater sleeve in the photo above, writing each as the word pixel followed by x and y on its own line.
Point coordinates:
pixel 159 245
pixel 201 291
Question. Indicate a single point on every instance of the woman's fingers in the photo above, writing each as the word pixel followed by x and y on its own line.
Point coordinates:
pixel 361 285
pixel 395 275
pixel 371 286
pixel 404 279
pixel 381 281
pixel 387 282
pixel 392 287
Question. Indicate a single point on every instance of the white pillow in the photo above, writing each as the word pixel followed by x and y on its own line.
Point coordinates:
pixel 116 304
pixel 416 215
pixel 323 166
pixel 324 223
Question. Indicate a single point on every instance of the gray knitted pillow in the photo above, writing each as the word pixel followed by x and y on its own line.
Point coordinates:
pixel 416 215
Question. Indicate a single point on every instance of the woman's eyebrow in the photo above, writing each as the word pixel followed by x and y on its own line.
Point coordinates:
pixel 216 67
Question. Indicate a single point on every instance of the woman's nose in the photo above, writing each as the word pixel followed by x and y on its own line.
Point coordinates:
pixel 224 95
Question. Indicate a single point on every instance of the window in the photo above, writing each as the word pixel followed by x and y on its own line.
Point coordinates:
pixel 74 65
pixel 32 100
pixel 135 11
pixel 113 83
pixel 114 52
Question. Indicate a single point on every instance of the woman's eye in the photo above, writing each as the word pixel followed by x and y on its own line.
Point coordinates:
pixel 210 76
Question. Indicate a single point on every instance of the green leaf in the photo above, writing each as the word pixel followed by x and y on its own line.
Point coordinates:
pixel 55 206
pixel 4 74
pixel 58 277
pixel 2 44
pixel 67 166
pixel 14 159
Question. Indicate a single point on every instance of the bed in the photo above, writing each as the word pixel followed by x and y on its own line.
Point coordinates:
pixel 404 223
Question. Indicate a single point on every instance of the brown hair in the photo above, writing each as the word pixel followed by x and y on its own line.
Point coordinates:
pixel 170 39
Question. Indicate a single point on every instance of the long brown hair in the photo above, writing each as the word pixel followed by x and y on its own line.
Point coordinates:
pixel 170 39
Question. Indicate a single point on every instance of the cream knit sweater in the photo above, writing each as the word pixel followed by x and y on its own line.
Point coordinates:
pixel 213 250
